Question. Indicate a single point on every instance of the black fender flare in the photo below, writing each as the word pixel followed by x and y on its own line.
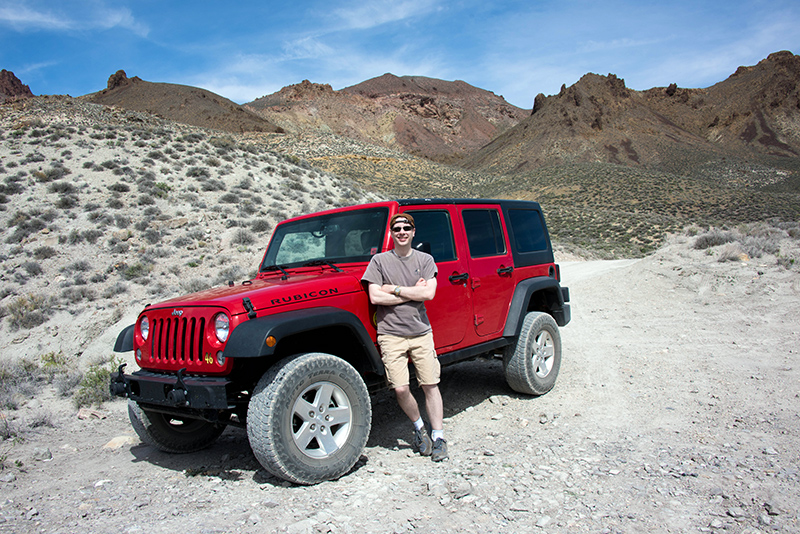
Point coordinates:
pixel 124 341
pixel 522 296
pixel 248 339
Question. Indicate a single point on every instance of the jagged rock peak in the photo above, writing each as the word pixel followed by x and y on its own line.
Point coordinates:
pixel 120 79
pixel 12 87
pixel 306 90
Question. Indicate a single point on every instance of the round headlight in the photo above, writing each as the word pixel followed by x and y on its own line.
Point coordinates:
pixel 222 327
pixel 144 327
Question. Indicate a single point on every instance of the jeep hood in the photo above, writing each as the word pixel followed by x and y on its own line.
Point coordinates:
pixel 270 292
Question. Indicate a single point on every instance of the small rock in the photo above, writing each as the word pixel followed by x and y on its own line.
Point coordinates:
pixel 8 477
pixel 42 454
pixel 736 512
pixel 543 418
pixel 254 519
pixel 543 521
pixel 770 451
pixel 497 417
pixel 119 442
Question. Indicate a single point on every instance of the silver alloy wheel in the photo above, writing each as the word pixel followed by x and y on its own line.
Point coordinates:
pixel 543 354
pixel 321 420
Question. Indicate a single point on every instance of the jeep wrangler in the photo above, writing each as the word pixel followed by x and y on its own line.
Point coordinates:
pixel 291 355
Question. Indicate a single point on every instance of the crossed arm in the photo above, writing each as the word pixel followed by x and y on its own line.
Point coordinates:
pixel 384 295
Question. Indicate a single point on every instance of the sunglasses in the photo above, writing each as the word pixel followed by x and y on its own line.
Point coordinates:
pixel 402 228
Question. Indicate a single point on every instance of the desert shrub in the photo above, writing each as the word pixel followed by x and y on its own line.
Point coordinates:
pixel 232 273
pixel 182 241
pixel 145 200
pixel 91 236
pixel 32 268
pixel 193 137
pixel 242 237
pixel 223 144
pixel 43 253
pixel 756 246
pixel 67 202
pixel 713 238
pixel 212 185
pixel 78 294
pixel 198 172
pixel 229 198
pixel 122 221
pixel 78 266
pixel 114 290
pixel 730 252
pixel 152 236
pixel 136 270
pixel 28 311
pixel 119 187
pixel 61 188
pixel 194 285
pixel 93 387
pixel 261 226
pixel 19 379
pixel 115 203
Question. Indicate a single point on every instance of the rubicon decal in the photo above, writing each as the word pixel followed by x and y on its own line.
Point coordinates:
pixel 304 296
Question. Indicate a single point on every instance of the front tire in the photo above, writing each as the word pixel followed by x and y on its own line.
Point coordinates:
pixel 172 434
pixel 309 418
pixel 532 362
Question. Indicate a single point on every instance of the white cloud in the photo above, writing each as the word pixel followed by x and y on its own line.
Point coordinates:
pixel 362 15
pixel 22 17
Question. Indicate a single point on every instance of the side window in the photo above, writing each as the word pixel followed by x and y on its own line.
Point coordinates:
pixel 435 230
pixel 484 233
pixel 528 230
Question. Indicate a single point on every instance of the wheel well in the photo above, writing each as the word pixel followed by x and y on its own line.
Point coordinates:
pixel 338 340
pixel 543 301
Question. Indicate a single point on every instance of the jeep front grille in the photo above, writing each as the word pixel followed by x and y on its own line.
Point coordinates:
pixel 178 339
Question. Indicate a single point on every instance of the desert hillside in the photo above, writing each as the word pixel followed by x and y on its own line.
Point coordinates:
pixel 435 119
pixel 179 103
pixel 752 117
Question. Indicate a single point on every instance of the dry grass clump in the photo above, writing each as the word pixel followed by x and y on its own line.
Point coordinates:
pixel 754 240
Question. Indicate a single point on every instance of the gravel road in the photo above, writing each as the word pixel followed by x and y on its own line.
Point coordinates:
pixel 676 410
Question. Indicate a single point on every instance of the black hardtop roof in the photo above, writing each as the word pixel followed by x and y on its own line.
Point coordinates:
pixel 503 202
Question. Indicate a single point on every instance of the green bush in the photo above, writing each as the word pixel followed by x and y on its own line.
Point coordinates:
pixel 93 387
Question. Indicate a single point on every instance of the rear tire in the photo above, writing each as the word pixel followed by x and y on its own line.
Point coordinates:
pixel 309 418
pixel 172 434
pixel 532 361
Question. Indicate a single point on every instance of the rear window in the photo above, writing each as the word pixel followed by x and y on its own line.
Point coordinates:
pixel 528 230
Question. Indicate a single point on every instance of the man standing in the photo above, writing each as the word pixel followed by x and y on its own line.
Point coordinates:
pixel 400 281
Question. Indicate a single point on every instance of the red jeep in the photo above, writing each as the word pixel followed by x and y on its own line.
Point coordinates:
pixel 292 354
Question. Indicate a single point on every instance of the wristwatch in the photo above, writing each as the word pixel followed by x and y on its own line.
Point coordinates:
pixel 396 291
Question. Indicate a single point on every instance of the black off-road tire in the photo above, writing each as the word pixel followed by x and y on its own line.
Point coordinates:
pixel 532 362
pixel 172 434
pixel 309 418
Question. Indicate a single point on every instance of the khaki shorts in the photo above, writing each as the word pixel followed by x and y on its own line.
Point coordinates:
pixel 396 351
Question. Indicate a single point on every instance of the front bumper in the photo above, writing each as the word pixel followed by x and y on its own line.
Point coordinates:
pixel 172 391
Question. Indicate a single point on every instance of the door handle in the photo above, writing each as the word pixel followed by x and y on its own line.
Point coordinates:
pixel 457 278
pixel 505 270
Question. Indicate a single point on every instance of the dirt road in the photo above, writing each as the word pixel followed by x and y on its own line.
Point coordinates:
pixel 676 410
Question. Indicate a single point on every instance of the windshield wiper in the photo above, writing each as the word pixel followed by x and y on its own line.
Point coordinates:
pixel 323 262
pixel 277 268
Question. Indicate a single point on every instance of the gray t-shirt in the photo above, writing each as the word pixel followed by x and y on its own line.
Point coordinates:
pixel 409 318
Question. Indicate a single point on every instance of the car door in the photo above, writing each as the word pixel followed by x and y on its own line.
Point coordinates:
pixel 491 267
pixel 450 310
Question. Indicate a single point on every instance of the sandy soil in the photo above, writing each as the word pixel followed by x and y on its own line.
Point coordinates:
pixel 676 410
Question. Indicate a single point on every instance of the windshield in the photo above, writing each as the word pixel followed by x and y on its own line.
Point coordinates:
pixel 352 236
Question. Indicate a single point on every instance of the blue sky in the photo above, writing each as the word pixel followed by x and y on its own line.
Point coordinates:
pixel 243 50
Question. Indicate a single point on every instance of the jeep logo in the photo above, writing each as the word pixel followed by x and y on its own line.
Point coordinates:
pixel 177 313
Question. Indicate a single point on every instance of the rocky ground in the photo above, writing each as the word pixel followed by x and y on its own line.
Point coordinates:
pixel 676 410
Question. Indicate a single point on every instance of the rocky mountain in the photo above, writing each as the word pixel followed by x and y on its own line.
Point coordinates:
pixel 436 119
pixel 11 88
pixel 753 115
pixel 179 103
